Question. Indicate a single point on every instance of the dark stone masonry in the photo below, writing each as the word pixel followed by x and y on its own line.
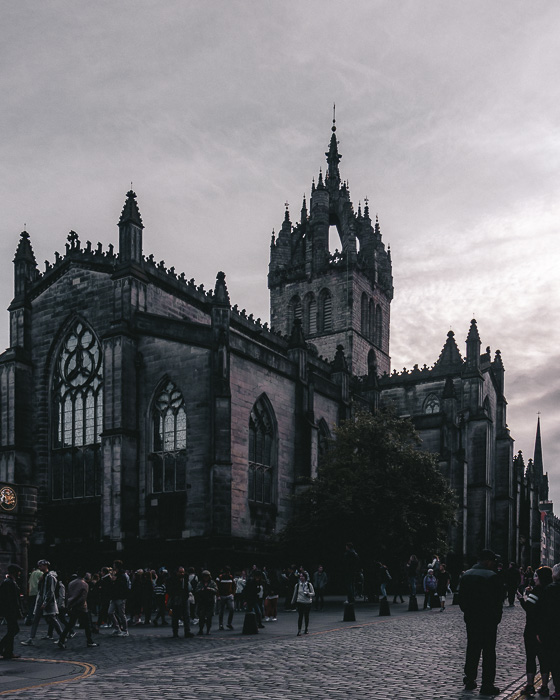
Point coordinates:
pixel 152 420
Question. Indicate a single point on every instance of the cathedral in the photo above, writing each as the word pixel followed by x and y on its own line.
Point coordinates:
pixel 146 418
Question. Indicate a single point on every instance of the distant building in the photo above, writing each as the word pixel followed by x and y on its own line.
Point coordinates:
pixel 145 417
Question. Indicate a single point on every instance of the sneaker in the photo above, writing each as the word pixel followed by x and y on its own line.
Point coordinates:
pixel 274 619
pixel 230 627
pixel 544 691
pixel 28 643
pixel 124 634
pixel 60 645
pixel 491 690
pixel 71 635
pixel 106 626
pixel 555 695
pixel 117 633
pixel 194 621
pixel 92 644
pixel 267 619
pixel 469 685
pixel 528 690
pixel 48 636
pixel 221 627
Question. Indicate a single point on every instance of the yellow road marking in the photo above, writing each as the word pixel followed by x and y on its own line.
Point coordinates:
pixel 89 670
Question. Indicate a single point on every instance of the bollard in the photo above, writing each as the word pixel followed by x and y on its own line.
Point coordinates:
pixel 349 614
pixel 384 608
pixel 250 624
pixel 412 604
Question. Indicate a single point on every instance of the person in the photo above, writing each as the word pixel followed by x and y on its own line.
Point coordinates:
pixel 411 572
pixel 240 583
pixel 254 591
pixel 45 603
pixel 10 610
pixel 533 649
pixel 443 583
pixel 351 567
pixel 33 588
pixel 384 578
pixel 206 593
pixel 430 589
pixel 303 598
pixel 548 624
pixel 120 589
pixel 513 579
pixel 160 592
pixel 480 599
pixel 104 586
pixel 226 592
pixel 320 580
pixel 77 610
pixel 179 589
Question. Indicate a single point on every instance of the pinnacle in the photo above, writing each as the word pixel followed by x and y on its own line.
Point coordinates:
pixel 130 212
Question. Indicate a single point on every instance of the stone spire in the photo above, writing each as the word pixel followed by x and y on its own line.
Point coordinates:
pixel 130 231
pixel 450 356
pixel 333 157
pixel 473 347
pixel 25 265
pixel 130 212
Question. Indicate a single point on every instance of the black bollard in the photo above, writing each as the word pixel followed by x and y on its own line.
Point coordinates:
pixel 384 608
pixel 412 604
pixel 349 614
pixel 250 623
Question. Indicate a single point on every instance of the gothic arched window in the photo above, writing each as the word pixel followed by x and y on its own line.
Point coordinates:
pixel 371 320
pixel 378 326
pixel 169 440
pixel 431 404
pixel 364 315
pixel 325 311
pixel 77 405
pixel 262 452
pixel 295 310
pixel 310 321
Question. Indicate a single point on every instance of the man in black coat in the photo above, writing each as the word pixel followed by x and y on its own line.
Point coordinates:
pixel 481 599
pixel 10 610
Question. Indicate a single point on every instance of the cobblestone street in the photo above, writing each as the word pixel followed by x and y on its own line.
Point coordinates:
pixel 407 655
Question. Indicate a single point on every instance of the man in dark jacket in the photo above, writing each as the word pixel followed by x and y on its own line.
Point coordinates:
pixel 178 589
pixel 548 624
pixel 481 599
pixel 10 610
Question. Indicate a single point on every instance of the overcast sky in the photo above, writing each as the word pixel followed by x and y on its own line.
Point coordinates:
pixel 448 119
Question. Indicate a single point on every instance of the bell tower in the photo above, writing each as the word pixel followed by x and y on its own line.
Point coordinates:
pixel 342 296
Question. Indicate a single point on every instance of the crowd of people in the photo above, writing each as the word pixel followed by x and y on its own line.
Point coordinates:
pixel 115 598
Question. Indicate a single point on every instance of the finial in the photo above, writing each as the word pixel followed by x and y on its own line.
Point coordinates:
pixel 334 117
pixel 286 205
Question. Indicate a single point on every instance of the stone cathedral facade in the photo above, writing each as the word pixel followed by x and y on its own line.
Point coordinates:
pixel 144 417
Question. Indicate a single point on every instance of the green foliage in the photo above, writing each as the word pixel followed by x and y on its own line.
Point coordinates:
pixel 376 489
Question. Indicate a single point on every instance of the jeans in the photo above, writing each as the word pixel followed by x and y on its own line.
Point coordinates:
pixel 226 603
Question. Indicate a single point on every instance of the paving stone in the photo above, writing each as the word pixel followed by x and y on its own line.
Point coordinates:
pixel 407 655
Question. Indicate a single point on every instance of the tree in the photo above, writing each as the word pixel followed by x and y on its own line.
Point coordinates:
pixel 376 489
